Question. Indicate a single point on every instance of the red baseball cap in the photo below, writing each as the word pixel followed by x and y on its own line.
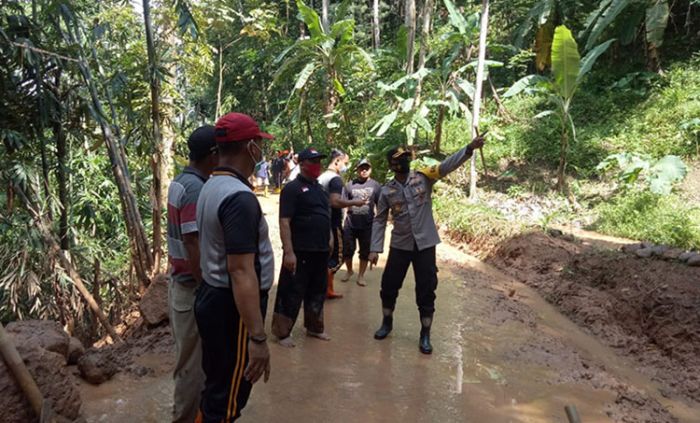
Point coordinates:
pixel 233 127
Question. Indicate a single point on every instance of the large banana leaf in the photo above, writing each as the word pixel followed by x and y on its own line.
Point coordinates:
pixel 590 58
pixel 566 62
pixel 592 18
pixel 539 15
pixel 603 22
pixel 656 21
pixel 456 18
pixel 304 75
pixel 523 84
pixel 311 19
pixel 385 123
pixel 343 31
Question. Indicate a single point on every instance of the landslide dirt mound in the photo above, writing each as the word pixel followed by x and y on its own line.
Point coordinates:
pixel 647 308
pixel 53 379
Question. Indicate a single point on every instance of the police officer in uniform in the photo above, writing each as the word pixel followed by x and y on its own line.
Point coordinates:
pixel 409 199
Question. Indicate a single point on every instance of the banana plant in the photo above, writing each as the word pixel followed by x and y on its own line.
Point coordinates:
pixel 568 71
pixel 651 14
pixel 410 117
pixel 327 53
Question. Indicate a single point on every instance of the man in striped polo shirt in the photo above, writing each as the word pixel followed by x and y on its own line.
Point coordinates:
pixel 185 275
pixel 237 269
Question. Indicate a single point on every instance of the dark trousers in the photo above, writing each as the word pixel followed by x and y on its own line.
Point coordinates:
pixel 352 236
pixel 336 258
pixel 224 353
pixel 307 285
pixel 424 270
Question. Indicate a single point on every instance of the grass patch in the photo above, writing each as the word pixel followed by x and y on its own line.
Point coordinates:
pixel 482 227
pixel 646 216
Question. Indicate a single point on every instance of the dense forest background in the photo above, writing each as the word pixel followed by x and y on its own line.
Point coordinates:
pixel 97 98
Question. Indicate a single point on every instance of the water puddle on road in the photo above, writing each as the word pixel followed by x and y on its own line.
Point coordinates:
pixel 128 398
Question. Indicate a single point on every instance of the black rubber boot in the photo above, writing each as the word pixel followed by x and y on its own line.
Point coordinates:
pixel 424 343
pixel 385 329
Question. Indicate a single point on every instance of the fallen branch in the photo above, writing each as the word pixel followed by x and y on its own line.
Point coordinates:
pixel 19 370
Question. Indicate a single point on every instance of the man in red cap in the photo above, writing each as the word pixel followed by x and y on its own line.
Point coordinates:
pixel 237 267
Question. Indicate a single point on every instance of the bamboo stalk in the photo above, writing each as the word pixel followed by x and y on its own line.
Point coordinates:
pixel 572 414
pixel 55 248
pixel 19 370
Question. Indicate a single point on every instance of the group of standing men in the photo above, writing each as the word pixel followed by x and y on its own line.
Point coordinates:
pixel 222 262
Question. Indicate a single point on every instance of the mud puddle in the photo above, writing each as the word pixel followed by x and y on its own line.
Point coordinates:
pixel 501 354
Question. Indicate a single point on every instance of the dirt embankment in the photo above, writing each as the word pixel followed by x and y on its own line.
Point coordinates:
pixel 647 309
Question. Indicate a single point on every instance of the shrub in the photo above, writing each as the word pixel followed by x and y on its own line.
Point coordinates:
pixel 647 216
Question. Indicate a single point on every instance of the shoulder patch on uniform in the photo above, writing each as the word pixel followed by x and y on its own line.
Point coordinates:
pixel 432 172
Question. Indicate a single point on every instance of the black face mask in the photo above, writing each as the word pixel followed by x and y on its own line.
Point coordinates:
pixel 401 165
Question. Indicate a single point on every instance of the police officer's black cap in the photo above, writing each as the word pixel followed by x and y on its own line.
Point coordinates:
pixel 202 142
pixel 310 153
pixel 397 152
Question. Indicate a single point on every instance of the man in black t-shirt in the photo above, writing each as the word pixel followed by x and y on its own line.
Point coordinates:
pixel 331 181
pixel 305 227
pixel 358 222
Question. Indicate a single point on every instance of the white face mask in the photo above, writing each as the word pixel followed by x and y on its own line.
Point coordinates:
pixel 343 169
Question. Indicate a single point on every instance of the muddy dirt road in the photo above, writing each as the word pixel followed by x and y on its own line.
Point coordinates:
pixel 502 354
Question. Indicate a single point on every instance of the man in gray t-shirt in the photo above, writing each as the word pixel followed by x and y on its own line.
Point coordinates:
pixel 357 228
pixel 237 270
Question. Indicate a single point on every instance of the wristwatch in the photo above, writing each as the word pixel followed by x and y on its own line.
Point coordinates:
pixel 258 339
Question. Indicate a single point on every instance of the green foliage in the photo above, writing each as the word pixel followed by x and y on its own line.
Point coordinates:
pixel 647 216
pixel 474 224
pixel 566 63
pixel 659 176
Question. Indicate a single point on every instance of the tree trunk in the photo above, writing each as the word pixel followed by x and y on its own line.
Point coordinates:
pixel 324 16
pixel 426 14
pixel 160 150
pixel 375 23
pixel 501 107
pixel 562 184
pixel 329 104
pixel 221 81
pixel 140 252
pixel 62 168
pixel 438 129
pixel 478 89
pixel 309 132
pixel 410 23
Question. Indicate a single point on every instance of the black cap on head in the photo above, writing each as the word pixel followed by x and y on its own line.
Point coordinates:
pixel 310 153
pixel 363 162
pixel 202 142
pixel 397 152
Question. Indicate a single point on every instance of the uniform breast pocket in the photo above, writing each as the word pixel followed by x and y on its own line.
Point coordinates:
pixel 419 191
pixel 397 204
